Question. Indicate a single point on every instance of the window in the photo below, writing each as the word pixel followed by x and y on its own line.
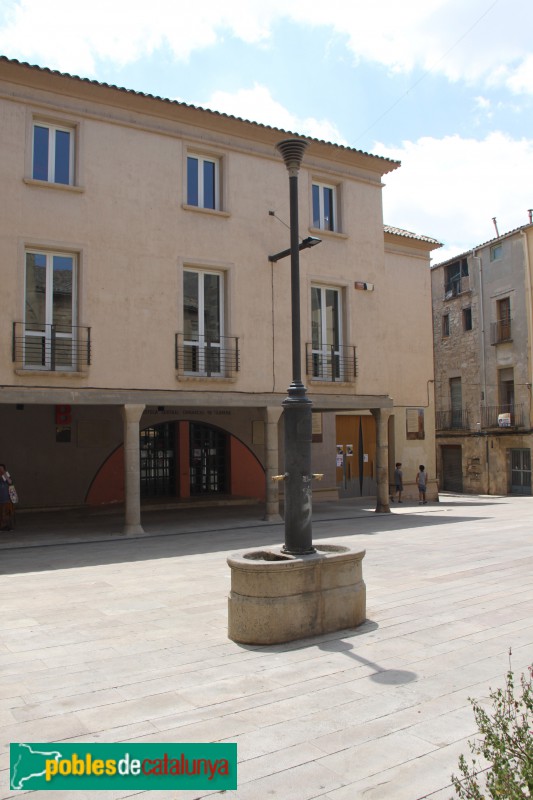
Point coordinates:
pixel 456 402
pixel 445 324
pixel 456 278
pixel 53 153
pixel 496 252
pixel 414 423
pixel 467 319
pixel 326 335
pixel 203 319
pixel 203 182
pixel 324 207
pixel 503 319
pixel 506 387
pixel 49 340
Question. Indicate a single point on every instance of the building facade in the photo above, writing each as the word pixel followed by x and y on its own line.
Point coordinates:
pixel 483 336
pixel 145 347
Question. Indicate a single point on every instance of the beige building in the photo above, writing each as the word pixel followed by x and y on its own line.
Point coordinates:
pixel 145 346
pixel 483 339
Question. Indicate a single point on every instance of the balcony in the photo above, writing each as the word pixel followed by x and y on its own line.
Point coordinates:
pixel 331 363
pixel 456 286
pixel 507 415
pixel 51 348
pixel 203 358
pixel 501 331
pixel 452 420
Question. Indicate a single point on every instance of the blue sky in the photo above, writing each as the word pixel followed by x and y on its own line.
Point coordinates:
pixel 445 86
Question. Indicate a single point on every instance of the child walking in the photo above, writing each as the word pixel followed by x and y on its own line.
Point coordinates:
pixel 421 482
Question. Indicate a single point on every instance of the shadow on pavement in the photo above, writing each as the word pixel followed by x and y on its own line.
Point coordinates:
pixel 69 543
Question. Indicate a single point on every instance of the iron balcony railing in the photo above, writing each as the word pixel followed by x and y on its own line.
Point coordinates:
pixel 453 419
pixel 51 348
pixel 205 358
pixel 331 362
pixel 507 415
pixel 501 331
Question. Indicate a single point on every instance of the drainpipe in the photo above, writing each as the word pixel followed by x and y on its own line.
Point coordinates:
pixel 482 327
pixel 529 316
pixel 483 376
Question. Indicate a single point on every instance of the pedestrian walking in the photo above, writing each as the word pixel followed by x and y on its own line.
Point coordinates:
pixel 421 482
pixel 398 481
pixel 6 506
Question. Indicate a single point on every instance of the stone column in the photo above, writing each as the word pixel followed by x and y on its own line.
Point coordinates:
pixel 131 414
pixel 272 417
pixel 381 417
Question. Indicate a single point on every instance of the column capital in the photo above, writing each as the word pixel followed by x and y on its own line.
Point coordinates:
pixel 132 412
pixel 273 414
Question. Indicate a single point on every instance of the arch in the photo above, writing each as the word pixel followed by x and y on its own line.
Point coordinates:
pixel 246 474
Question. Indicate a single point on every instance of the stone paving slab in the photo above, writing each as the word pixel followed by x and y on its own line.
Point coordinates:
pixel 113 639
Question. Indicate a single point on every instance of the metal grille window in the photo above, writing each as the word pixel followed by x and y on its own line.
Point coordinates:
pixel 208 460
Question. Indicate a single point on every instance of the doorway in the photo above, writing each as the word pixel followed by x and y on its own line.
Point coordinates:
pixel 208 460
pixel 521 471
pixel 158 460
pixel 452 468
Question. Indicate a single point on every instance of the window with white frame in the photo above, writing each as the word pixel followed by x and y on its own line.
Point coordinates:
pixel 496 252
pixel 53 153
pixel 203 182
pixel 203 319
pixel 326 333
pixel 49 339
pixel 325 207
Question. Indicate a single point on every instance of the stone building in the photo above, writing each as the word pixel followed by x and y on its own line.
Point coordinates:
pixel 145 346
pixel 483 338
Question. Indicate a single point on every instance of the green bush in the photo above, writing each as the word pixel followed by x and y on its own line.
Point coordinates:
pixel 506 746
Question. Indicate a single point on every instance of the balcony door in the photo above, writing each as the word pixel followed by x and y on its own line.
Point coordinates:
pixel 326 333
pixel 456 402
pixel 203 320
pixel 50 315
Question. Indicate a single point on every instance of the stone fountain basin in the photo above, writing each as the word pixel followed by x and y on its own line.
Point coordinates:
pixel 276 597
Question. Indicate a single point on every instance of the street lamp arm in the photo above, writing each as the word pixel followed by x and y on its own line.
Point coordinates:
pixel 310 241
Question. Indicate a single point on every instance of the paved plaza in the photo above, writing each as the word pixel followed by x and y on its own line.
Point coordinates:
pixel 106 639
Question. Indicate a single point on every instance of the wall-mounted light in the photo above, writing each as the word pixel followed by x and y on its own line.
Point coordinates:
pixel 363 286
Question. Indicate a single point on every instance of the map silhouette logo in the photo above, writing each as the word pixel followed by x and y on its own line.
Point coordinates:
pixel 29 763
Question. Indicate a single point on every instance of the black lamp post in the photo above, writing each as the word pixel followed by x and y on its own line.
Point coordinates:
pixel 297 406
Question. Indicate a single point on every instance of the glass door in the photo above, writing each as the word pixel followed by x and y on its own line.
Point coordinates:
pixel 208 460
pixel 521 471
pixel 158 461
pixel 326 333
pixel 50 311
pixel 203 323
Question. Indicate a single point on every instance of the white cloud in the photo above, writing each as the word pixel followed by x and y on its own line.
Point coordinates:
pixel 451 188
pixel 478 41
pixel 258 105
pixel 482 103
